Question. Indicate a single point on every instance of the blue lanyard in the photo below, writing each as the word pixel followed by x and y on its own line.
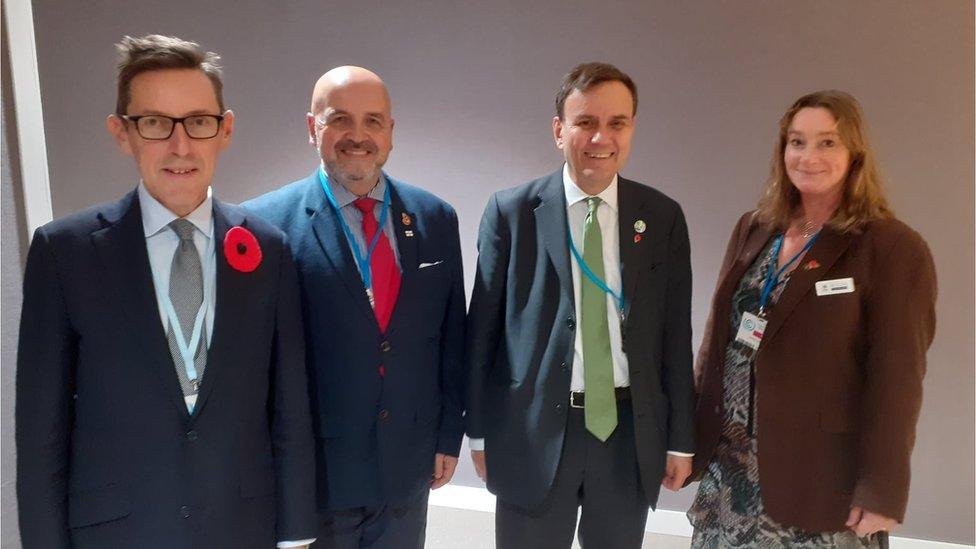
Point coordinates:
pixel 619 298
pixel 189 348
pixel 361 262
pixel 772 276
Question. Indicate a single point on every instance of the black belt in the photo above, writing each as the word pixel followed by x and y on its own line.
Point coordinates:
pixel 576 398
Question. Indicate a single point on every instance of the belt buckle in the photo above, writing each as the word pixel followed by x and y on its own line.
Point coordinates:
pixel 572 400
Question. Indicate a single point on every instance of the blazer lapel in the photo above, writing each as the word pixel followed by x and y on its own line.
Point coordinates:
pixel 408 236
pixel 825 251
pixel 754 243
pixel 331 238
pixel 552 228
pixel 231 294
pixel 634 254
pixel 121 247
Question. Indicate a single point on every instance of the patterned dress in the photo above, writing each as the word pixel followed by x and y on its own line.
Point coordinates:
pixel 728 511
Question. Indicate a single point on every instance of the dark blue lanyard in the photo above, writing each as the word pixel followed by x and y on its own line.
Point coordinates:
pixel 772 275
pixel 361 262
pixel 619 298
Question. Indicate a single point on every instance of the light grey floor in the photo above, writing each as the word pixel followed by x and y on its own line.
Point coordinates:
pixel 449 528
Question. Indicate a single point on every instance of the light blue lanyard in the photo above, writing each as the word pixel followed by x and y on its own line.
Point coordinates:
pixel 772 275
pixel 619 298
pixel 186 348
pixel 361 262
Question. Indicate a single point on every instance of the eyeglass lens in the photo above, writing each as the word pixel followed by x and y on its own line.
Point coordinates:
pixel 161 127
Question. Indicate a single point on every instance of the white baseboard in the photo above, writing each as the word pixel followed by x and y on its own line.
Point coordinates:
pixel 671 523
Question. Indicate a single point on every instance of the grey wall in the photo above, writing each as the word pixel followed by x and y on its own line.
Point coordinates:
pixel 472 87
pixel 14 251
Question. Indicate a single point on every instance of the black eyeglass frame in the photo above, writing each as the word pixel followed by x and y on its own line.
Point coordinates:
pixel 135 120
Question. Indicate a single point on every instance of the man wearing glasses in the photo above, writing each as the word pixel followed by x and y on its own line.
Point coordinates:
pixel 383 294
pixel 161 389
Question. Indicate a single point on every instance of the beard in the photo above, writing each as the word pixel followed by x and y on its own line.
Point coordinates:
pixel 348 171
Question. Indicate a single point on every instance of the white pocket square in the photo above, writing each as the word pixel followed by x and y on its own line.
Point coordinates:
pixel 425 265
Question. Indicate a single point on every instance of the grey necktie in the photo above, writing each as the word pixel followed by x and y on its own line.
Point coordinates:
pixel 186 294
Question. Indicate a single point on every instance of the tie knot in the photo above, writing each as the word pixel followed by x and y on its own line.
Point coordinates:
pixel 593 202
pixel 182 228
pixel 365 204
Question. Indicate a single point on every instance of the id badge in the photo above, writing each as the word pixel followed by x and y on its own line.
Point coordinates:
pixel 751 330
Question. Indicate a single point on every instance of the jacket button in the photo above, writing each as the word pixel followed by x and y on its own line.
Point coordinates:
pixel 571 323
pixel 385 346
pixel 185 512
pixel 718 409
pixel 559 406
pixel 384 413
pixel 564 367
pixel 191 435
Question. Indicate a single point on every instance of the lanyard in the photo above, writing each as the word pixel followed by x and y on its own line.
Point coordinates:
pixel 772 276
pixel 188 348
pixel 619 298
pixel 361 262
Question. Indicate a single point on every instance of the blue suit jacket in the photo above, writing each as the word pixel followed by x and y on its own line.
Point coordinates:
pixel 376 436
pixel 107 454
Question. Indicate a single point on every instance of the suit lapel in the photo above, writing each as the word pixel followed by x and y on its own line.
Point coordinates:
pixel 828 248
pixel 552 228
pixel 404 224
pixel 121 248
pixel 754 243
pixel 331 238
pixel 634 255
pixel 230 303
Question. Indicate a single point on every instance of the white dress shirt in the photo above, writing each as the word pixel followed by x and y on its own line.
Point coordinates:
pixel 607 215
pixel 161 244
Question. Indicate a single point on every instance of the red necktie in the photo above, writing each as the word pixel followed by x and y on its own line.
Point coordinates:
pixel 382 265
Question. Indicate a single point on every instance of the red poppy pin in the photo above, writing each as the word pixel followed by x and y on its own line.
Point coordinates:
pixel 637 238
pixel 242 250
pixel 811 265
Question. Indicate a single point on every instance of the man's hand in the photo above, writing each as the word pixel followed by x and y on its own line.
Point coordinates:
pixel 676 471
pixel 478 457
pixel 864 522
pixel 444 466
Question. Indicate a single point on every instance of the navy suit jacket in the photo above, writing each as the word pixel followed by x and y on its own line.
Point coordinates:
pixel 107 453
pixel 377 435
pixel 522 327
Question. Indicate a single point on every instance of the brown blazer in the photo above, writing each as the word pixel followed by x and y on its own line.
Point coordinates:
pixel 838 377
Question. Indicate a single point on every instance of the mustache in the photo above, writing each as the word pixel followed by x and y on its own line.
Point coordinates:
pixel 366 145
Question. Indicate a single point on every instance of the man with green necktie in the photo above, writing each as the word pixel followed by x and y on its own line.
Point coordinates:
pixel 579 336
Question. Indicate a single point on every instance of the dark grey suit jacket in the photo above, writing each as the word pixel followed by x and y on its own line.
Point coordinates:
pixel 521 330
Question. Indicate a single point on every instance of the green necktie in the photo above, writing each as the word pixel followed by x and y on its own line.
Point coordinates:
pixel 600 405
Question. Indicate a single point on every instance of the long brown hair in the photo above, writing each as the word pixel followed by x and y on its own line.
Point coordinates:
pixel 863 198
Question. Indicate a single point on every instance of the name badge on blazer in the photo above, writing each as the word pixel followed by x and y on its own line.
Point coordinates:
pixel 836 286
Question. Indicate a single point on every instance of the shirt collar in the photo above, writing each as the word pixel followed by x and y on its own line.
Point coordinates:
pixel 344 197
pixel 156 217
pixel 575 194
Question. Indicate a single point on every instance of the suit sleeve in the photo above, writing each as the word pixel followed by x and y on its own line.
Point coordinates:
pixel 900 324
pixel 676 367
pixel 46 359
pixel 291 422
pixel 452 354
pixel 486 313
